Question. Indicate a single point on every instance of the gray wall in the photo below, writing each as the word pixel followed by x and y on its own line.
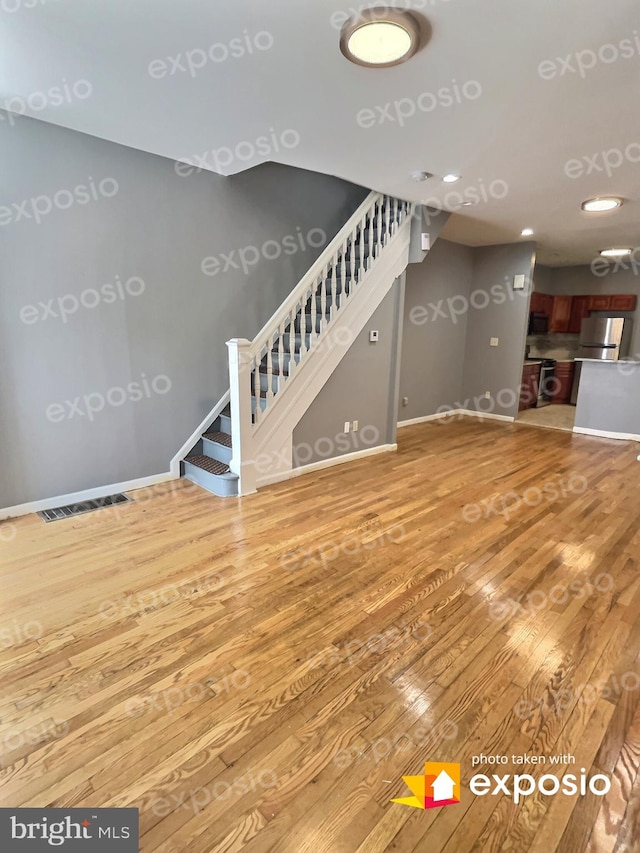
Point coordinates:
pixel 497 369
pixel 433 345
pixel 362 389
pixel 158 227
pixel 609 398
pixel 542 279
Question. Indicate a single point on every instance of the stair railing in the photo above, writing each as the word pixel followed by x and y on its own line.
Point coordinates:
pixel 260 369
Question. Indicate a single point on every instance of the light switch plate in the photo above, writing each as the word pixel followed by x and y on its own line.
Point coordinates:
pixel 373 337
pixel 518 282
pixel 494 342
pixel 425 241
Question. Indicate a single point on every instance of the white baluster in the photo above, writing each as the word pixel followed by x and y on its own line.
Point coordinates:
pixel 362 266
pixel 323 295
pixel 314 314
pixel 387 219
pixel 292 362
pixel 332 285
pixel 372 222
pixel 269 395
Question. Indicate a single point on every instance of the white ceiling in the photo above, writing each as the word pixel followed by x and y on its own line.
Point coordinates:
pixel 521 130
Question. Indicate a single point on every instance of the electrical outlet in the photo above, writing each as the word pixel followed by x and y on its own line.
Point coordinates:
pixel 494 342
pixel 487 394
pixel 373 337
pixel 355 426
pixel 346 426
pixel 405 401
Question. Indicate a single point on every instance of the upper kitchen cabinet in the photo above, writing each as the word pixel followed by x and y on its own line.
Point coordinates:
pixel 560 314
pixel 624 302
pixel 541 303
pixel 579 311
pixel 618 302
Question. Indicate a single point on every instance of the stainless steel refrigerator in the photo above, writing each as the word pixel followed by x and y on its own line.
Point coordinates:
pixel 602 338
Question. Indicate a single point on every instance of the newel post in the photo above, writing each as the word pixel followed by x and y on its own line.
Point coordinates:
pixel 242 462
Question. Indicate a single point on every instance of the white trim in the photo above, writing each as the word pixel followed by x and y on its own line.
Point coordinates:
pixel 196 435
pixel 488 415
pixel 457 412
pixel 438 416
pixel 86 495
pixel 326 463
pixel 601 433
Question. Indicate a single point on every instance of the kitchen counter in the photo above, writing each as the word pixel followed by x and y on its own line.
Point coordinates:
pixel 609 398
pixel 618 362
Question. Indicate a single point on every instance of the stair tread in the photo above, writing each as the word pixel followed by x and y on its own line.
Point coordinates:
pixel 212 466
pixel 219 437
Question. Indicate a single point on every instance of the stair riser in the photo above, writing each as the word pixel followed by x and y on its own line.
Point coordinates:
pixel 225 424
pixel 216 451
pixel 222 485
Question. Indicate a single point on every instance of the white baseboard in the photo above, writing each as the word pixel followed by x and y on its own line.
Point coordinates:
pixel 438 416
pixel 87 495
pixel 601 433
pixel 454 413
pixel 487 415
pixel 326 463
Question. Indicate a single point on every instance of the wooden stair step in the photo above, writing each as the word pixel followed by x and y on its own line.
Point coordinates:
pixel 212 466
pixel 219 437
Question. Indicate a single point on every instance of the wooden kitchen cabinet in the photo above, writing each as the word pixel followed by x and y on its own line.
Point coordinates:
pixel 541 303
pixel 562 382
pixel 579 310
pixel 529 386
pixel 601 302
pixel 623 302
pixel 560 314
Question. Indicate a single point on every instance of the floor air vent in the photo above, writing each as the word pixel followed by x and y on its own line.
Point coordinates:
pixel 80 508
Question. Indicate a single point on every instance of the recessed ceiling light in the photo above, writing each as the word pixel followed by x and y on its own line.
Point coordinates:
pixel 421 176
pixel 615 253
pixel 451 179
pixel 380 37
pixel 599 205
pixel 526 232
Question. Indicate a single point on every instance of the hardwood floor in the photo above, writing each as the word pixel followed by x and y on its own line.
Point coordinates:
pixel 259 674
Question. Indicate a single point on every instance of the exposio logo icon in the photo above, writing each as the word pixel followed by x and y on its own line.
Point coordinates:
pixel 438 786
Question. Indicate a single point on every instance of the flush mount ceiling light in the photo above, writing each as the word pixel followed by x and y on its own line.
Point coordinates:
pixel 526 232
pixel 599 205
pixel 615 253
pixel 380 37
pixel 451 179
pixel 421 176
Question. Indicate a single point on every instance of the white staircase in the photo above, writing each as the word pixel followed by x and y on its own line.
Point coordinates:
pixel 275 378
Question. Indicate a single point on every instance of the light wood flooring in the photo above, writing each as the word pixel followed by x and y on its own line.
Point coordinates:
pixel 259 674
